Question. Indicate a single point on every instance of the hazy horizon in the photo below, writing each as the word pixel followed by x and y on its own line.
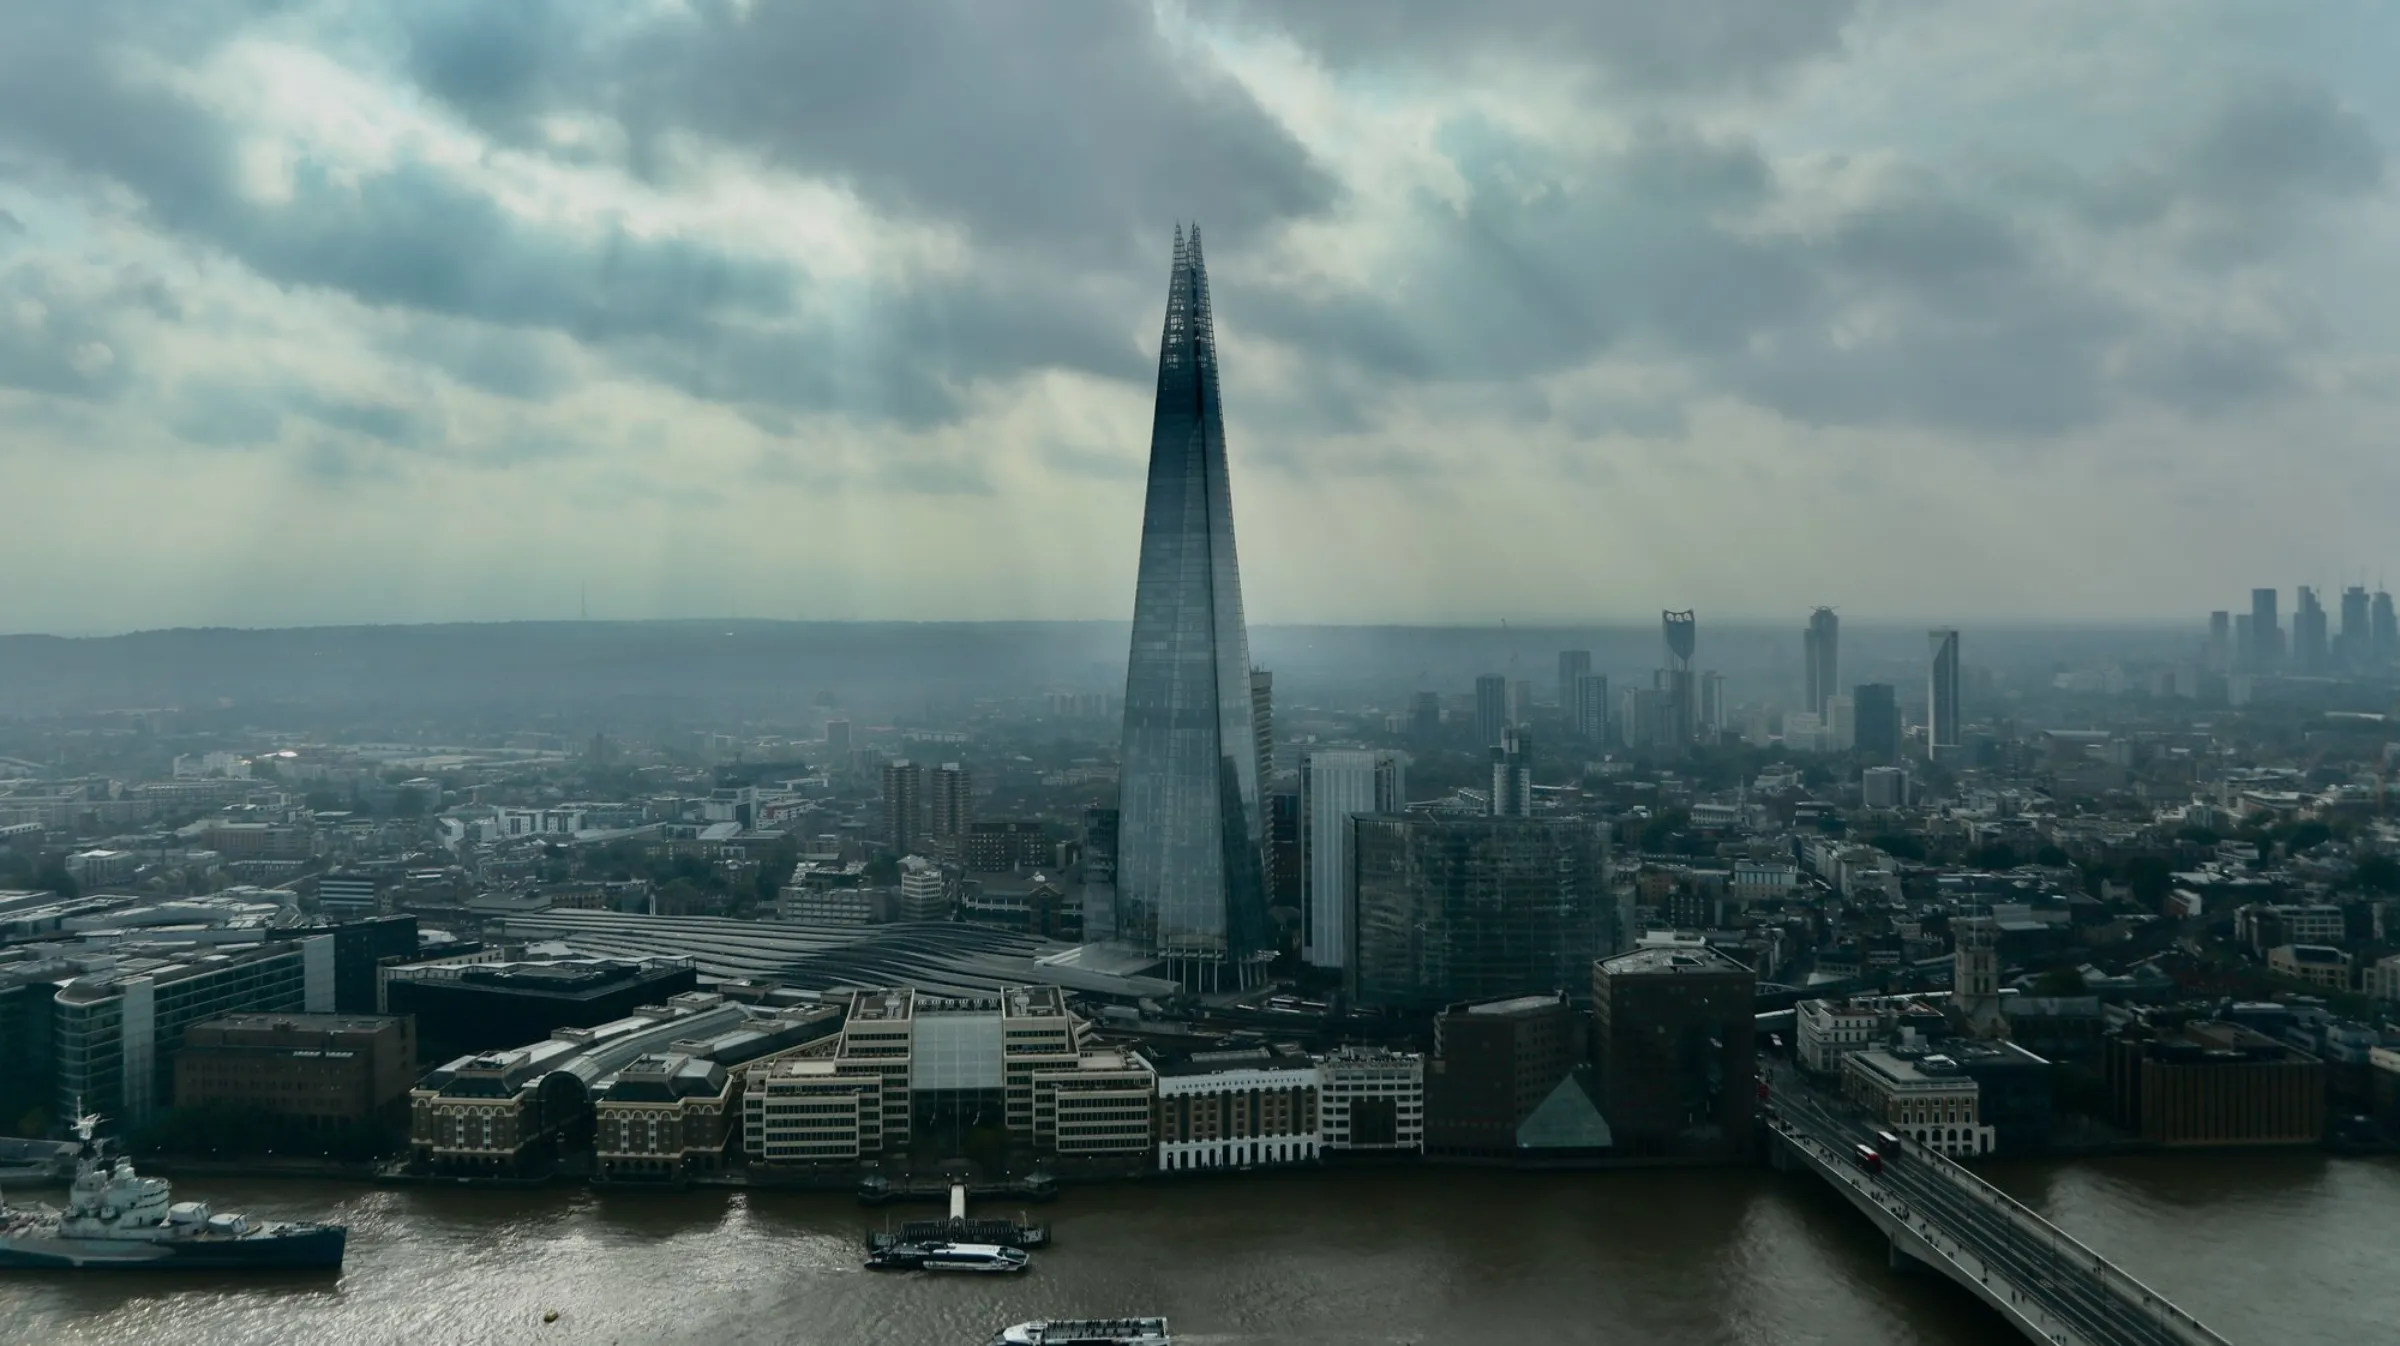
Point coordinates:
pixel 347 311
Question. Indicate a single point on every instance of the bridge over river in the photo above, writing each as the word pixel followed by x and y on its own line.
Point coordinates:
pixel 1938 1215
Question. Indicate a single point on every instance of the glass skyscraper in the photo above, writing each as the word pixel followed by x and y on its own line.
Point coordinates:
pixel 1189 883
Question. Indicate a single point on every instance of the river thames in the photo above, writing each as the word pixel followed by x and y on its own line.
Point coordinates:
pixel 2277 1250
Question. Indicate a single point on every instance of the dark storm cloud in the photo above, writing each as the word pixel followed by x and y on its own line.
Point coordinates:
pixel 1058 127
pixel 1063 136
pixel 2267 156
pixel 1643 44
pixel 1920 301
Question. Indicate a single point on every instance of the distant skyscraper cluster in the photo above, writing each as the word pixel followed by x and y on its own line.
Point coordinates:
pixel 2255 644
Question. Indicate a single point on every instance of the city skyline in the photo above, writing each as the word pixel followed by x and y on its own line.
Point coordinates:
pixel 365 329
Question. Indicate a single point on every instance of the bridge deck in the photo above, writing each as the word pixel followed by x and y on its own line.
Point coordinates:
pixel 2036 1275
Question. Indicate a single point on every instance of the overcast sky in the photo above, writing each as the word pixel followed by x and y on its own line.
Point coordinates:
pixel 1537 309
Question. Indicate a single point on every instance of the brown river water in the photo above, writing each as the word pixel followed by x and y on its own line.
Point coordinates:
pixel 2271 1250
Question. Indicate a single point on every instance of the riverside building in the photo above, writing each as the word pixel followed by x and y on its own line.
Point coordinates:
pixel 1238 1109
pixel 1371 1099
pixel 908 1068
pixel 117 1031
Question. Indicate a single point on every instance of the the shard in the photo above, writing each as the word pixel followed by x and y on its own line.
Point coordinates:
pixel 1190 889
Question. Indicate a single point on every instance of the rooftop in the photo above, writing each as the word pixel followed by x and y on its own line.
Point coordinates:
pixel 1524 1004
pixel 1669 962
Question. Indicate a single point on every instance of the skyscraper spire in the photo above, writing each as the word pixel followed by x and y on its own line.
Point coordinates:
pixel 1189 884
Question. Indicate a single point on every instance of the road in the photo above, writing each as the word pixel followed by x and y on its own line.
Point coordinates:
pixel 1949 1206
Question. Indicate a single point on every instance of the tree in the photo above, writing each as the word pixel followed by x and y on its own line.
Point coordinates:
pixel 1997 855
pixel 1899 845
pixel 2376 874
pixel 2150 878
pixel 2051 857
pixel 2060 981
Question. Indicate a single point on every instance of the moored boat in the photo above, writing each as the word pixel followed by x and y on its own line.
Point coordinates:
pixel 117 1219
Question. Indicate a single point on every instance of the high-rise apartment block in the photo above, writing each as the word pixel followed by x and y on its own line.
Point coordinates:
pixel 1572 664
pixel 1589 709
pixel 1491 708
pixel 1512 774
pixel 1191 885
pixel 903 804
pixel 1335 786
pixel 951 806
pixel 1820 658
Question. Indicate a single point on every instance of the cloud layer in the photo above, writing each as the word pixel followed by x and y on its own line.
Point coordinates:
pixel 380 311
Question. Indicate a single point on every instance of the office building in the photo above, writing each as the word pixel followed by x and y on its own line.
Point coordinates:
pixel 2319 965
pixel 1493 1064
pixel 1512 774
pixel 2384 632
pixel 909 1067
pixel 1452 909
pixel 1820 659
pixel 1683 695
pixel 346 897
pixel 1491 708
pixel 494 1006
pixel 837 744
pixel 1671 1035
pixel 1841 723
pixel 117 1031
pixel 1371 1100
pixel 997 846
pixel 1190 883
pixel 1335 785
pixel 2309 648
pixel 1241 1108
pixel 2214 1083
pixel 328 1070
pixel 925 892
pixel 1102 1107
pixel 2220 641
pixel 1825 1031
pixel 1287 860
pixel 1942 722
pixel 2356 644
pixel 950 805
pixel 1262 721
pixel 1883 787
pixel 903 804
pixel 360 948
pixel 1425 716
pixel 2266 634
pixel 1589 708
pixel 1923 1095
pixel 1875 709
pixel 1572 664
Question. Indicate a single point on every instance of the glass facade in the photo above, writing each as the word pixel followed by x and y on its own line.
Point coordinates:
pixel 1190 888
pixel 1452 909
